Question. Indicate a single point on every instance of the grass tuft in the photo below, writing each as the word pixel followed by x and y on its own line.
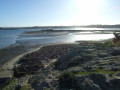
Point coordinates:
pixel 26 87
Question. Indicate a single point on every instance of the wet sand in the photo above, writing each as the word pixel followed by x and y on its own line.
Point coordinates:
pixel 10 64
pixel 6 70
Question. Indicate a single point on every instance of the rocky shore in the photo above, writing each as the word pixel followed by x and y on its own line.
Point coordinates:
pixel 78 66
pixel 32 62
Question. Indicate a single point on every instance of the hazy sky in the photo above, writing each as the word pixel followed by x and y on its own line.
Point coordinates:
pixel 58 12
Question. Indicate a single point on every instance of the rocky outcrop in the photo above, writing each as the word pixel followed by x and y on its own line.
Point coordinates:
pixel 86 66
pixel 97 82
pixel 75 61
pixel 32 62
pixel 93 81
pixel 115 51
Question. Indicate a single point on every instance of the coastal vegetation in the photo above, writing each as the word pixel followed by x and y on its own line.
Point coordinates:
pixel 111 44
pixel 26 87
pixel 10 84
pixel 67 80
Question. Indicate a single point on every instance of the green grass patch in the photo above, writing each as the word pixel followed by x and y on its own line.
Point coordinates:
pixel 108 44
pixel 98 71
pixel 66 80
pixel 10 85
pixel 111 44
pixel 26 87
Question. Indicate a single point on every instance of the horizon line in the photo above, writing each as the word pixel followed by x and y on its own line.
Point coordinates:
pixel 54 25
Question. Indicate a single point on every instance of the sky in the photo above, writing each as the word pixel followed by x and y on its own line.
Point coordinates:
pixel 20 13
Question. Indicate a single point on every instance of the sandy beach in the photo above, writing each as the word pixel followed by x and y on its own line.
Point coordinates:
pixel 10 64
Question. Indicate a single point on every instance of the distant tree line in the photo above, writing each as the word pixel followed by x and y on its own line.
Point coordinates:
pixel 104 26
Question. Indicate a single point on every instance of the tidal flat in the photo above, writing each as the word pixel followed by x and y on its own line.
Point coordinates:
pixel 29 40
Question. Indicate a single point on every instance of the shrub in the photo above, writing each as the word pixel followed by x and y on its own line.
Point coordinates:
pixel 108 44
pixel 111 44
pixel 66 80
pixel 10 85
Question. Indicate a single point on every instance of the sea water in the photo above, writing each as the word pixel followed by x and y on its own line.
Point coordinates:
pixel 8 37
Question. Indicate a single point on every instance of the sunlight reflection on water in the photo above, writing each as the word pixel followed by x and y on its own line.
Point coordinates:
pixel 91 37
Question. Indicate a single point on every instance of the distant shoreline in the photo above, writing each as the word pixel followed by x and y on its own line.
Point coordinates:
pixel 53 27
